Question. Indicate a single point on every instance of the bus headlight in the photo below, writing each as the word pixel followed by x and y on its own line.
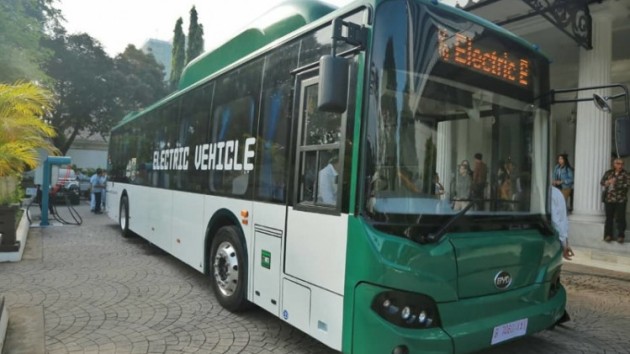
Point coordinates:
pixel 407 310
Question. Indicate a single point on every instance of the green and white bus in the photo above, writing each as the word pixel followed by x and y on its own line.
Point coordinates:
pixel 297 166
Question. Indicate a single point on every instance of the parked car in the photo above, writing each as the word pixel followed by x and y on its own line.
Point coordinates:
pixel 66 185
pixel 85 187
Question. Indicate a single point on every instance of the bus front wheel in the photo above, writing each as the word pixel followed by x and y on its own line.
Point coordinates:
pixel 228 269
pixel 123 217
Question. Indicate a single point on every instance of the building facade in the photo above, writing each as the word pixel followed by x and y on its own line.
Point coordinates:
pixel 589 45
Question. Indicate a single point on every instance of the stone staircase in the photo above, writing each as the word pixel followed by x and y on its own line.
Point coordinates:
pixel 586 239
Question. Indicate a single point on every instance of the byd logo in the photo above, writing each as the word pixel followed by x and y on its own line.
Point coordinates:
pixel 502 280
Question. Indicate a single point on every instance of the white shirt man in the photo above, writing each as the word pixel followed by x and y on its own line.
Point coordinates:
pixel 560 221
pixel 327 182
pixel 97 183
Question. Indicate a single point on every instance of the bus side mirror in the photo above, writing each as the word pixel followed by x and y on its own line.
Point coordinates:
pixel 622 136
pixel 333 84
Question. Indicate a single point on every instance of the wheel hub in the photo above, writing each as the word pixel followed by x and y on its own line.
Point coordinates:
pixel 225 266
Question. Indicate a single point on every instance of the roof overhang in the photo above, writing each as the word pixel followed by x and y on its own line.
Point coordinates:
pixel 571 17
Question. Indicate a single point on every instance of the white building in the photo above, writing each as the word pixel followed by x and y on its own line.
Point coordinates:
pixel 89 152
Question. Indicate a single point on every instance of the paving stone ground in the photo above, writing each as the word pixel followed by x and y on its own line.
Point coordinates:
pixel 102 293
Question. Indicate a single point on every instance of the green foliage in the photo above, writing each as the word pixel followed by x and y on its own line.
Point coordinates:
pixel 22 129
pixel 12 196
pixel 195 37
pixel 23 24
pixel 178 57
pixel 86 88
pixel 95 91
pixel 140 79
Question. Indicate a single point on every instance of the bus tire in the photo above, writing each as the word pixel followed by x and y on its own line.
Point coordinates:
pixel 123 217
pixel 228 269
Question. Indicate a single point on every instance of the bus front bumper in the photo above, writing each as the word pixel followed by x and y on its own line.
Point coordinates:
pixel 468 325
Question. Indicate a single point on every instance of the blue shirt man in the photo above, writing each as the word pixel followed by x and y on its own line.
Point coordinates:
pixel 97 188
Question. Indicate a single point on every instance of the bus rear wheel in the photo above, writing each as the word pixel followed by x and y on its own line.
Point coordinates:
pixel 123 217
pixel 228 269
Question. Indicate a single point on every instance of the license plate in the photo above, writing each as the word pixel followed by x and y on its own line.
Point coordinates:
pixel 509 330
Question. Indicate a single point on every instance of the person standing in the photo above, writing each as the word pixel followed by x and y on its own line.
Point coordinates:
pixel 560 221
pixel 438 188
pixel 563 176
pixel 504 178
pixel 480 175
pixel 463 181
pixel 104 190
pixel 327 182
pixel 97 187
pixel 615 182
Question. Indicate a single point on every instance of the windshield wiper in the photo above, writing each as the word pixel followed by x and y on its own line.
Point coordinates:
pixel 436 236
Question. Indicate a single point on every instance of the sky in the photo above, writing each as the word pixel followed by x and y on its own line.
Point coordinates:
pixel 117 23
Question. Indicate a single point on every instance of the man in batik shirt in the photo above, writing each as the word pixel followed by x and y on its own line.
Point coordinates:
pixel 615 182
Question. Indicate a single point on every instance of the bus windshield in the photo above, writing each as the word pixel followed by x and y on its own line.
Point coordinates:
pixel 453 119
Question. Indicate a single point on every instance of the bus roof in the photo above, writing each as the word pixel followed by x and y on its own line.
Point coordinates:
pixel 276 23
pixel 273 25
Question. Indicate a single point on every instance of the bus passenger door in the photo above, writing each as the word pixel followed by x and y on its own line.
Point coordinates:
pixel 315 255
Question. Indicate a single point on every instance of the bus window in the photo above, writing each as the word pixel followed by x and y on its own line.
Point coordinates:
pixel 234 112
pixel 193 130
pixel 166 127
pixel 273 149
pixel 271 164
pixel 144 150
pixel 321 137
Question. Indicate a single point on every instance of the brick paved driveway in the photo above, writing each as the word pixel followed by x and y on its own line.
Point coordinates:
pixel 102 293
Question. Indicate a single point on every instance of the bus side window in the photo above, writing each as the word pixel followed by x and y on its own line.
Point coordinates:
pixel 319 149
pixel 309 177
pixel 146 148
pixel 235 107
pixel 273 145
pixel 170 121
pixel 233 123
pixel 193 131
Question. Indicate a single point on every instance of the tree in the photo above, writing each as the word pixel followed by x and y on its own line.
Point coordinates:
pixel 140 79
pixel 23 23
pixel 23 130
pixel 86 88
pixel 195 37
pixel 178 54
pixel 95 91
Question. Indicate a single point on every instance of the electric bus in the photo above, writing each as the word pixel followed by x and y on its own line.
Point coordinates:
pixel 374 175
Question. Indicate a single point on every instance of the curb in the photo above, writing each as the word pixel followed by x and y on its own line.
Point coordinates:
pixel 20 235
pixel 601 259
pixel 4 323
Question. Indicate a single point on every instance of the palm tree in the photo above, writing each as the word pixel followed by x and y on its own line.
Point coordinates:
pixel 22 128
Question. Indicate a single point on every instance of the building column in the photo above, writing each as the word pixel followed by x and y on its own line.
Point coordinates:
pixel 593 131
pixel 444 163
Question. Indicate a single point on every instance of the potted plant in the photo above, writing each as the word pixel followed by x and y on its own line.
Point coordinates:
pixel 23 131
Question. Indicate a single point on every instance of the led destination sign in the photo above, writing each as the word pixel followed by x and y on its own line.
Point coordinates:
pixel 461 50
